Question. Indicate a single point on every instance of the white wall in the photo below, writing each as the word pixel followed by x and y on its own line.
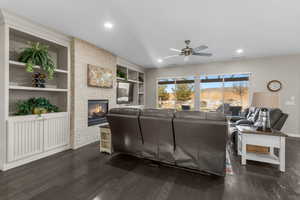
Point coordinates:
pixel 123 62
pixel 283 68
pixel 84 53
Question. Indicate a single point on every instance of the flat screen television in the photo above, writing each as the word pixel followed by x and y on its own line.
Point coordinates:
pixel 124 92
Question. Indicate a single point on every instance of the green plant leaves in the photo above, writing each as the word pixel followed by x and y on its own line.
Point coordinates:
pixel 26 107
pixel 37 54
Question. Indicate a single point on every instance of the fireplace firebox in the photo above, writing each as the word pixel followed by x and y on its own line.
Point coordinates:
pixel 97 110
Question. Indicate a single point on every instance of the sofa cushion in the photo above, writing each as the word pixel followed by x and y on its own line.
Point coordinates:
pixel 275 115
pixel 125 111
pixel 190 115
pixel 216 116
pixel 253 114
pixel 151 112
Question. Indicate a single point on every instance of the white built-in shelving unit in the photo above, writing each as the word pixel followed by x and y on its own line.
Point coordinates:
pixel 27 138
pixel 138 79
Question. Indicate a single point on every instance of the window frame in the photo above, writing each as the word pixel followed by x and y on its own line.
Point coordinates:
pixel 175 77
pixel 197 85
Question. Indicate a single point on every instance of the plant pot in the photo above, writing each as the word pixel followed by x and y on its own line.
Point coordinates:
pixel 39 111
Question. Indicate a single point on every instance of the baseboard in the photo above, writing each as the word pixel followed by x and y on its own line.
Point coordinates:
pixel 18 163
pixel 77 146
pixel 293 135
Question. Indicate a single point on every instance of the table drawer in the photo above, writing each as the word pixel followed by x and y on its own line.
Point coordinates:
pixel 262 140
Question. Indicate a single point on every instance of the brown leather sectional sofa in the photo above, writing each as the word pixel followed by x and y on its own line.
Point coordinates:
pixel 187 139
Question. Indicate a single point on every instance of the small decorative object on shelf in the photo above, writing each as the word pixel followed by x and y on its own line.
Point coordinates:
pixel 121 74
pixel 105 139
pixel 35 106
pixel 37 54
pixel 38 80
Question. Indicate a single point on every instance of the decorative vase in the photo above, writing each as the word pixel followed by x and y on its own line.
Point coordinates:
pixel 39 111
pixel 38 80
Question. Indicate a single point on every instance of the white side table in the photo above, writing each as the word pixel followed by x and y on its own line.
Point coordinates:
pixel 275 139
pixel 105 139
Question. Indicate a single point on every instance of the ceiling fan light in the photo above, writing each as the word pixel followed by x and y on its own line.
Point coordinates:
pixel 239 51
pixel 159 60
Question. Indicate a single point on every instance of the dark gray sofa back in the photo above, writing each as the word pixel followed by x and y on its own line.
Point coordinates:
pixel 151 112
pixel 215 116
pixel 125 111
pixel 125 130
pixel 200 141
pixel 189 139
pixel 157 131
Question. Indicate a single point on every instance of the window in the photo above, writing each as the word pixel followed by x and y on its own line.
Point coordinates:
pixel 236 90
pixel 211 92
pixel 215 92
pixel 166 98
pixel 176 93
pixel 224 92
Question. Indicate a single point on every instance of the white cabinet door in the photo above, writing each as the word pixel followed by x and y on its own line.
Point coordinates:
pixel 56 131
pixel 25 137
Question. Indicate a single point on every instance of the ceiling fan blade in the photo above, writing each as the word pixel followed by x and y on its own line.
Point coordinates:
pixel 167 57
pixel 177 50
pixel 200 48
pixel 202 54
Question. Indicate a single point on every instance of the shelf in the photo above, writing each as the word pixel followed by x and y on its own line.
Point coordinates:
pixel 46 115
pixel 121 79
pixel 129 80
pixel 37 89
pixel 268 158
pixel 141 93
pixel 20 64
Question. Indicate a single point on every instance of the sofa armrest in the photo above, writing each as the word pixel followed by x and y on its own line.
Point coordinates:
pixel 244 122
pixel 236 118
pixel 279 124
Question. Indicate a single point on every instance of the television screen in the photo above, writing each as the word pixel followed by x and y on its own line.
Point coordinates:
pixel 124 92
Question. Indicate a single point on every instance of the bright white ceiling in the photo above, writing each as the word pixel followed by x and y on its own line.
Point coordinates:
pixel 145 29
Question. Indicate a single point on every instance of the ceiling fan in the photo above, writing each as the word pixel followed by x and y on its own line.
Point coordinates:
pixel 188 51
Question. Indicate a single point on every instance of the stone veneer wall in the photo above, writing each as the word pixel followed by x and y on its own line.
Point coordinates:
pixel 82 54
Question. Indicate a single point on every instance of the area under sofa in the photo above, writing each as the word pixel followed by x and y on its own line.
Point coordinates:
pixel 191 140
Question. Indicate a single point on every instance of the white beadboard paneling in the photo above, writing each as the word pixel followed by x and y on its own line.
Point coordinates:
pixel 56 131
pixel 29 136
pixel 25 137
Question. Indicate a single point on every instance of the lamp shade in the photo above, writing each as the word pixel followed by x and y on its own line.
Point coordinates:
pixel 265 100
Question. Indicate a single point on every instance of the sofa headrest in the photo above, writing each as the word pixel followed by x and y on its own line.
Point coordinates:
pixel 125 111
pixel 151 112
pixel 275 115
pixel 215 116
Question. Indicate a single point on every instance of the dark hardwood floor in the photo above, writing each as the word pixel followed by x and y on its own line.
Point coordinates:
pixel 87 174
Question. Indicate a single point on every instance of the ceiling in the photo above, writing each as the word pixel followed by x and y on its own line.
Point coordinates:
pixel 144 30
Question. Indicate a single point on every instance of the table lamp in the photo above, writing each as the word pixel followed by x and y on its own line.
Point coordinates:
pixel 264 101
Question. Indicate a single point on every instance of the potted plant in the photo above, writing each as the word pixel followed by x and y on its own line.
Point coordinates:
pixel 35 106
pixel 121 74
pixel 37 54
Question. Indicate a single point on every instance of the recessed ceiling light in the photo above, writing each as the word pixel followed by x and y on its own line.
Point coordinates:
pixel 239 51
pixel 159 60
pixel 108 25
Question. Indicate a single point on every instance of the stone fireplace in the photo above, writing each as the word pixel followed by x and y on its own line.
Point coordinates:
pixel 97 110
